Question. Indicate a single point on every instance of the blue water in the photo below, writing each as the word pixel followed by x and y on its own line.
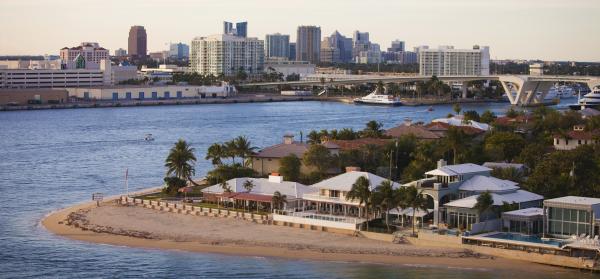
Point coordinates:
pixel 525 238
pixel 55 158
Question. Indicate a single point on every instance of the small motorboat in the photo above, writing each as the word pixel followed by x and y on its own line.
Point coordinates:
pixel 148 137
pixel 430 108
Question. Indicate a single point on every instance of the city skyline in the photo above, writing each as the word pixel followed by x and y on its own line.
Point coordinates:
pixel 511 28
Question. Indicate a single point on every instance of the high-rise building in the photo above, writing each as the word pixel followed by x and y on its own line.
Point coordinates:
pixel 179 51
pixel 329 54
pixel 90 51
pixel 447 61
pixel 360 42
pixel 308 44
pixel 226 54
pixel 277 46
pixel 292 56
pixel 120 52
pixel 343 46
pixel 397 45
pixel 240 30
pixel 137 45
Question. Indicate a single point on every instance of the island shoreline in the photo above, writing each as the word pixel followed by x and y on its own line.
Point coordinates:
pixel 53 222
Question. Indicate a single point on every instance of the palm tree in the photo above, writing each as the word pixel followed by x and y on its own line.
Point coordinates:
pixel 248 185
pixel 314 137
pixel 361 191
pixel 456 140
pixel 230 150
pixel 215 153
pixel 180 161
pixel 413 198
pixel 485 202
pixel 456 108
pixel 385 198
pixel 278 200
pixel 243 148
pixel 373 129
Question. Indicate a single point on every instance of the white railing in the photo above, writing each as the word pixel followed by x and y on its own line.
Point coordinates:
pixel 317 197
pixel 324 217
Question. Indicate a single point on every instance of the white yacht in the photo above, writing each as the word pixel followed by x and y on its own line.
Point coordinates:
pixel 591 99
pixel 378 99
pixel 149 137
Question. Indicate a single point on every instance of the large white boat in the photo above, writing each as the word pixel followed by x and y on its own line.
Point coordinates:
pixel 591 99
pixel 378 99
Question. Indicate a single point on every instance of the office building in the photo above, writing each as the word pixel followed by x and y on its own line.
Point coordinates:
pixel 120 52
pixel 308 44
pixel 342 44
pixel 226 54
pixel 179 51
pixel 28 76
pixel 397 54
pixel 137 42
pixel 329 54
pixel 90 51
pixel 360 42
pixel 292 56
pixel 240 30
pixel 277 46
pixel 448 61
pixel 397 46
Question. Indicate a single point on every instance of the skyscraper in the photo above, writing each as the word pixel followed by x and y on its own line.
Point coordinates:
pixel 292 56
pixel 179 51
pixel 226 54
pixel 277 46
pixel 240 30
pixel 360 42
pixel 308 44
pixel 342 44
pixel 397 45
pixel 137 44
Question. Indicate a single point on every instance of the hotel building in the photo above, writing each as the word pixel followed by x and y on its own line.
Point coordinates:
pixel 226 54
pixel 91 52
pixel 447 61
pixel 277 46
pixel 308 44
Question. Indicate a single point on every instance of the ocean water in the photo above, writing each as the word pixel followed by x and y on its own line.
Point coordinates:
pixel 55 158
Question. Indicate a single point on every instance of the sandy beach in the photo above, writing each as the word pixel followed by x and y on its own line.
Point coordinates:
pixel 145 228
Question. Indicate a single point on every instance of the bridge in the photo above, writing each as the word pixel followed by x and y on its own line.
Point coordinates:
pixel 523 88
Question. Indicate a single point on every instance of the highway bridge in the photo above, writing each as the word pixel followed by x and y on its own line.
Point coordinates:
pixel 525 87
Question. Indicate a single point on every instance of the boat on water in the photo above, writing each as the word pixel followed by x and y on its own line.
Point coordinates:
pixel 375 98
pixel 589 100
pixel 148 137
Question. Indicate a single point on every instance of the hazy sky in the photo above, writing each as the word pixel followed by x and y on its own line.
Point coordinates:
pixel 529 29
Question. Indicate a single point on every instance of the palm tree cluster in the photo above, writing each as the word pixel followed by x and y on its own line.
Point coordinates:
pixel 239 147
pixel 434 86
pixel 384 198
pixel 180 164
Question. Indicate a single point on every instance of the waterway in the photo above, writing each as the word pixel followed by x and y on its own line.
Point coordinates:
pixel 52 159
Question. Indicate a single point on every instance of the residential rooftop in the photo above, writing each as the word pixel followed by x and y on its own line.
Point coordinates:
pixel 452 170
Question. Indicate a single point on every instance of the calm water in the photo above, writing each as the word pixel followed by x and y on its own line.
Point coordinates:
pixel 56 158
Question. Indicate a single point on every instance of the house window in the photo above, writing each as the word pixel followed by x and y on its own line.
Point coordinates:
pixel 334 193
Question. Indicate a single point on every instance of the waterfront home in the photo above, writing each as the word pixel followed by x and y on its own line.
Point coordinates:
pixel 459 121
pixel 326 203
pixel 578 136
pixel 528 221
pixel 420 132
pixel 260 194
pixel 268 159
pixel 441 129
pixel 347 145
pixel 571 216
pixel 441 184
pixel 520 123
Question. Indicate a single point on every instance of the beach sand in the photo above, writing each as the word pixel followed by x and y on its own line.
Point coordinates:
pixel 114 224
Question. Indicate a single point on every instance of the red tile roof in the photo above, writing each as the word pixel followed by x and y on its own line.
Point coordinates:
pixel 443 127
pixel 358 143
pixel 282 150
pixel 581 135
pixel 505 120
pixel 419 131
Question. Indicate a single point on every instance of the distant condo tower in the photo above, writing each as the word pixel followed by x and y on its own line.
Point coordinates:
pixel 240 30
pixel 137 46
pixel 308 44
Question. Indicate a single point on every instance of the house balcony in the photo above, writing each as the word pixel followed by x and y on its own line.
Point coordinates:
pixel 322 198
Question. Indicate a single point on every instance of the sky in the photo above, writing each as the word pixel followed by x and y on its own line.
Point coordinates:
pixel 565 30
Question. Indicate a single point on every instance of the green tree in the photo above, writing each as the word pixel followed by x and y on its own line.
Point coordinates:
pixel 173 185
pixel 278 200
pixel 487 117
pixel 215 154
pixel 227 172
pixel 243 148
pixel 385 198
pixel 318 156
pixel 361 192
pixel 180 161
pixel 471 115
pixel 456 141
pixel 503 146
pixel 485 203
pixel 456 108
pixel 373 129
pixel 411 197
pixel 532 154
pixel 314 137
pixel 248 185
pixel 511 174
pixel 289 167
